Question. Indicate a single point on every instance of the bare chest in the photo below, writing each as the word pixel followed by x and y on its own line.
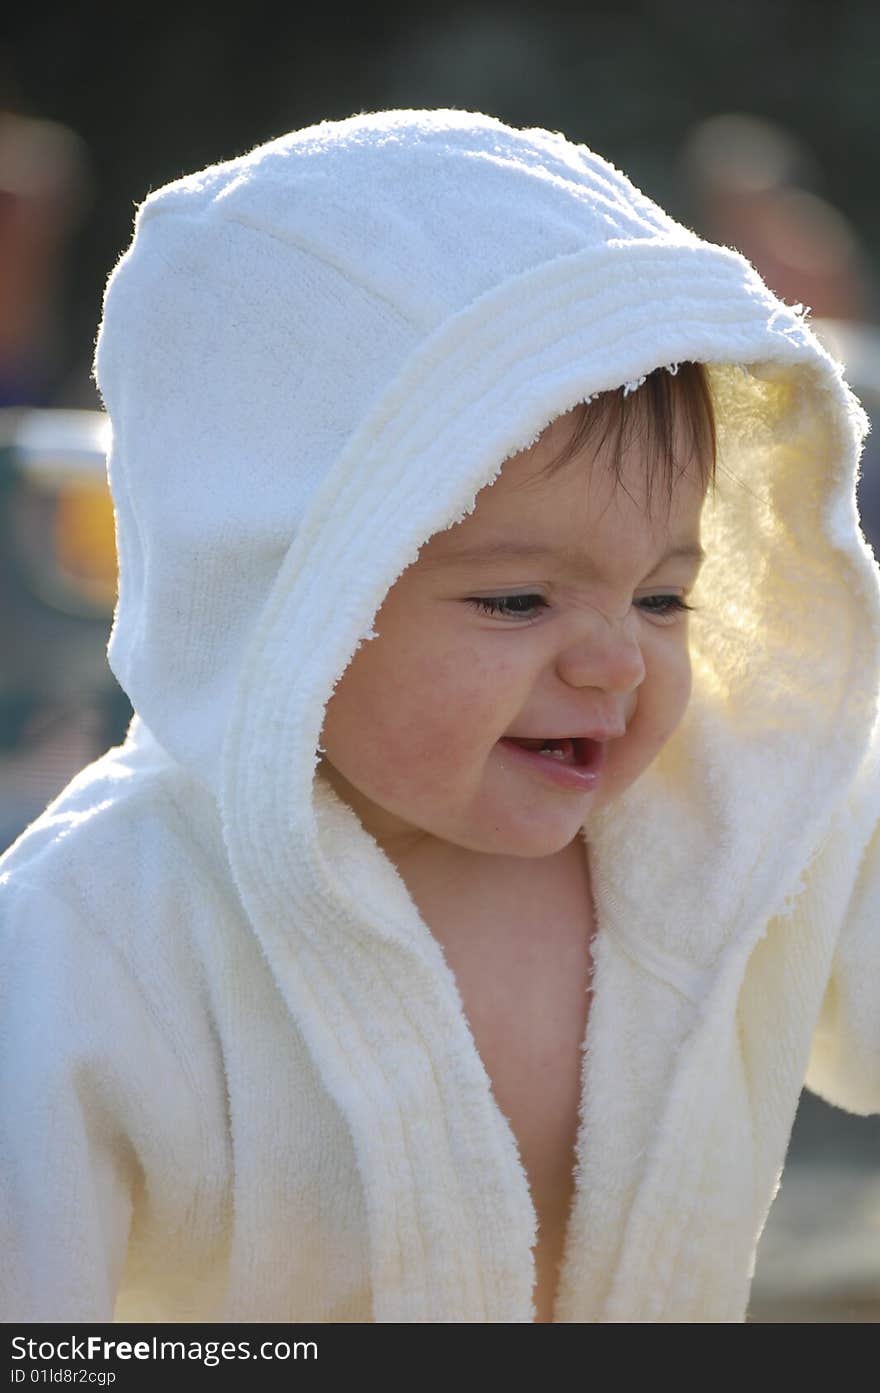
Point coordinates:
pixel 521 955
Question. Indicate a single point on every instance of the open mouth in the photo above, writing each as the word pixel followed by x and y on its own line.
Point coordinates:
pixel 572 750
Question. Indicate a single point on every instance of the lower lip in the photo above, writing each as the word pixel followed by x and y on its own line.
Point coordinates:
pixel 572 776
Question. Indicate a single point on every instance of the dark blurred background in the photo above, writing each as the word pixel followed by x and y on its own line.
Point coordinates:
pixel 149 92
pixel 756 122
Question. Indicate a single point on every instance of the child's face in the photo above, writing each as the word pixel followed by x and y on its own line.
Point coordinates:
pixel 412 730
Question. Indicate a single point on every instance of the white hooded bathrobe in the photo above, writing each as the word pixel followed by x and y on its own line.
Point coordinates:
pixel 237 1082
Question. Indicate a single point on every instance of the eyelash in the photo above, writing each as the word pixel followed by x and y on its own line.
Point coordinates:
pixel 495 604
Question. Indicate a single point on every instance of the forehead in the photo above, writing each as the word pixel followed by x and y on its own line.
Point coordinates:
pixel 585 501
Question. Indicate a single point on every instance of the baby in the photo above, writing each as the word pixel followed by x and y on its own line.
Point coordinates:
pixel 453 933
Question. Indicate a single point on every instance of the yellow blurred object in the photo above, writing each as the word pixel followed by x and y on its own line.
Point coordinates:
pixel 84 540
pixel 57 522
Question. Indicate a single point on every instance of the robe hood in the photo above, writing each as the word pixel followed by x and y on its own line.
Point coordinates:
pixel 313 358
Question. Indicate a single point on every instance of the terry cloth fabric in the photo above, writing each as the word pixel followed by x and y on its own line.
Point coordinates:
pixel 237 1079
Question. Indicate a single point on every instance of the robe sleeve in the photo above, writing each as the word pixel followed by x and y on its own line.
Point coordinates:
pixel 82 1064
pixel 844 1066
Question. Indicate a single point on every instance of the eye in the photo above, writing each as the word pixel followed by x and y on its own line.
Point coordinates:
pixel 664 606
pixel 510 606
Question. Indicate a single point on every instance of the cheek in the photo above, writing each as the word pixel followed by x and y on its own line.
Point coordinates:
pixel 665 694
pixel 416 708
pixel 662 702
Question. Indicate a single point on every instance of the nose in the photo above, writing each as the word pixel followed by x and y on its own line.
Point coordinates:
pixel 607 655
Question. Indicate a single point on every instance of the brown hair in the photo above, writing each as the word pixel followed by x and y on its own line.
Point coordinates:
pixel 651 411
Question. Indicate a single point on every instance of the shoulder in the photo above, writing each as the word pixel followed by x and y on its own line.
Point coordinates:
pixel 123 865
pixel 132 800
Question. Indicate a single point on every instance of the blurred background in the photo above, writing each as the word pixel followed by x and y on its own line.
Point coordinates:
pixel 756 122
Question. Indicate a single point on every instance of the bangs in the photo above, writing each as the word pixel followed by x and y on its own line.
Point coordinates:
pixel 670 404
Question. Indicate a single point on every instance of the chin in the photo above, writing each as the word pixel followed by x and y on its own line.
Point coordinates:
pixel 533 841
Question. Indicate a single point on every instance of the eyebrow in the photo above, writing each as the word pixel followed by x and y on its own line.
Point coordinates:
pixel 490 552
